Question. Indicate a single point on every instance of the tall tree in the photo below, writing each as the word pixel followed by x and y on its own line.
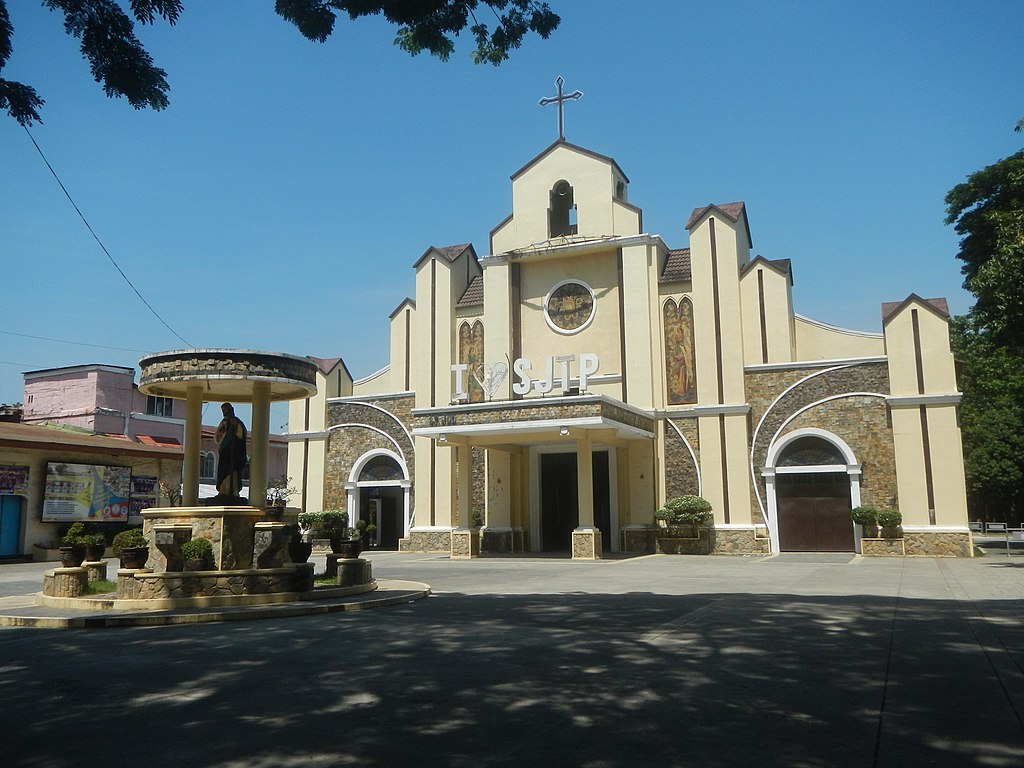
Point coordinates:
pixel 991 420
pixel 988 213
pixel 124 68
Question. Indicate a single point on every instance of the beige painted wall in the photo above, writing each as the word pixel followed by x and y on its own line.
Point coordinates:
pixel 818 341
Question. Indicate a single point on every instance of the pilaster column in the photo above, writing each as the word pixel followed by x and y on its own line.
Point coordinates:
pixel 193 441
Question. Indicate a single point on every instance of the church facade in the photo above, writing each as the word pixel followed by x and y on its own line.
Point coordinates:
pixel 552 394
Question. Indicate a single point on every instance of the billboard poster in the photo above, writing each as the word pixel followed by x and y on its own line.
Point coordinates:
pixel 144 491
pixel 86 492
pixel 14 479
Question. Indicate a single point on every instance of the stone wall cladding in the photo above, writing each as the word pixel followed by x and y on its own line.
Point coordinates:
pixel 862 421
pixel 243 365
pixel 681 474
pixel 149 586
pixel 348 443
pixel 427 541
pixel 549 409
pixel 738 542
pixel 938 544
pixel 639 540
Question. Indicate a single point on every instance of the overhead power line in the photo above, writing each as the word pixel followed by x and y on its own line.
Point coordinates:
pixel 97 239
pixel 77 343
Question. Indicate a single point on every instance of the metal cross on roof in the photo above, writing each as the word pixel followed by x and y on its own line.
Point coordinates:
pixel 560 100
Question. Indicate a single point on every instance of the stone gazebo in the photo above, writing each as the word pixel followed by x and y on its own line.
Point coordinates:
pixel 244 543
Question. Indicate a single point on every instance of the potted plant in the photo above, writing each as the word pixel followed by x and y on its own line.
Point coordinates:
pixel 329 524
pixel 278 493
pixel 72 549
pixel 95 546
pixel 298 550
pixel 890 520
pixel 131 546
pixel 867 518
pixel 197 554
pixel 350 547
pixel 688 511
pixel 366 533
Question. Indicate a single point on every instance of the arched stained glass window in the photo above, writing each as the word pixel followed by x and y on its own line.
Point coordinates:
pixel 809 452
pixel 471 352
pixel 381 468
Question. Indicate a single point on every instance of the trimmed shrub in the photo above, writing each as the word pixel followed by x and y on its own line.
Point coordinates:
pixel 865 515
pixel 197 549
pixel 326 524
pixel 685 510
pixel 128 539
pixel 889 519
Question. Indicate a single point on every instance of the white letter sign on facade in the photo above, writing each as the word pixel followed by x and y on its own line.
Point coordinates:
pixel 523 383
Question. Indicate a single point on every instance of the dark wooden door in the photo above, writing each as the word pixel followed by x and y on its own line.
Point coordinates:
pixel 815 524
pixel 559 499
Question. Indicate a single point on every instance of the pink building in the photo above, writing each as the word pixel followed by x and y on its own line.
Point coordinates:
pixel 106 400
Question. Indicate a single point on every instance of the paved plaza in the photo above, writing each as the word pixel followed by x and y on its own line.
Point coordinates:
pixel 807 661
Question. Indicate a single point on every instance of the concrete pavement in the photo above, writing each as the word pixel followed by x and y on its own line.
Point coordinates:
pixel 805 661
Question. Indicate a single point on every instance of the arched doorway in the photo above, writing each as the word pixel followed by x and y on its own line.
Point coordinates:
pixel 378 492
pixel 813 481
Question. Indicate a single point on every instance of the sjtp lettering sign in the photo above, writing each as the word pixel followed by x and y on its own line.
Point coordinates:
pixel 556 369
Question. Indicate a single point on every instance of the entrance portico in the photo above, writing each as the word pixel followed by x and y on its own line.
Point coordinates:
pixel 514 435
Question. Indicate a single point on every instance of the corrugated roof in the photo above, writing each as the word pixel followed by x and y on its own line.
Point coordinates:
pixel 677 267
pixel 14 435
pixel 473 296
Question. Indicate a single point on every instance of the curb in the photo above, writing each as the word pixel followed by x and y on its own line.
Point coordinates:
pixel 388 593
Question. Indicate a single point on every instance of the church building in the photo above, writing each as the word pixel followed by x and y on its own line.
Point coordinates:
pixel 555 391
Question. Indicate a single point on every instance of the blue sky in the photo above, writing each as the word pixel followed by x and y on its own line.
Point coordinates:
pixel 280 201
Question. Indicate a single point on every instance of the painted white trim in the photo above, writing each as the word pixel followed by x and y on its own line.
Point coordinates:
pixel 578 243
pixel 935 528
pixel 379 431
pixel 354 486
pixel 692 455
pixel 363 398
pixel 298 437
pixel 841 362
pixel 775 448
pixel 372 376
pixel 532 402
pixel 847 331
pixel 511 428
pixel 912 401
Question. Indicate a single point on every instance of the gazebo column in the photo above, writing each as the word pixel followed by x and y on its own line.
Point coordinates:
pixel 586 539
pixel 193 441
pixel 260 444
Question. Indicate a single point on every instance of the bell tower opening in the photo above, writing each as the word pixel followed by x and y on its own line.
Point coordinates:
pixel 562 211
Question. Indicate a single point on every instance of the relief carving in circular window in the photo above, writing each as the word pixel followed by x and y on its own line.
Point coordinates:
pixel 569 307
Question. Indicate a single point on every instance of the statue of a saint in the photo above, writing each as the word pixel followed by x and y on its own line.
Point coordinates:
pixel 230 439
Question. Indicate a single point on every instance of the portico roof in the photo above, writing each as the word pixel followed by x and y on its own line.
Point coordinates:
pixel 534 420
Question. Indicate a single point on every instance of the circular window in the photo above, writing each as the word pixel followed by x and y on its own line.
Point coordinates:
pixel 570 306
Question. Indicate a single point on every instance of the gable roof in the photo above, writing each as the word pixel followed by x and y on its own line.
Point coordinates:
pixel 473 296
pixel 783 266
pixel 406 302
pixel 328 364
pixel 893 308
pixel 449 253
pixel 677 267
pixel 574 148
pixel 730 211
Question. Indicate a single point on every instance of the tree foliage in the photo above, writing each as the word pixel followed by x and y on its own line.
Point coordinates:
pixel 991 419
pixel 121 64
pixel 988 213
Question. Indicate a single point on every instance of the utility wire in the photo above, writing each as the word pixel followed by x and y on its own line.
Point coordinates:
pixel 78 343
pixel 97 239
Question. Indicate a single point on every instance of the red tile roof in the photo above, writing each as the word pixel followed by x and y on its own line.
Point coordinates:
pixel 677 266
pixel 473 296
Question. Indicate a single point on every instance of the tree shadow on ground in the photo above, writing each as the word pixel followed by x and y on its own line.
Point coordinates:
pixel 606 681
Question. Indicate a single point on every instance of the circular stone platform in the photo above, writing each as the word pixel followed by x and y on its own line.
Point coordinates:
pixel 227 374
